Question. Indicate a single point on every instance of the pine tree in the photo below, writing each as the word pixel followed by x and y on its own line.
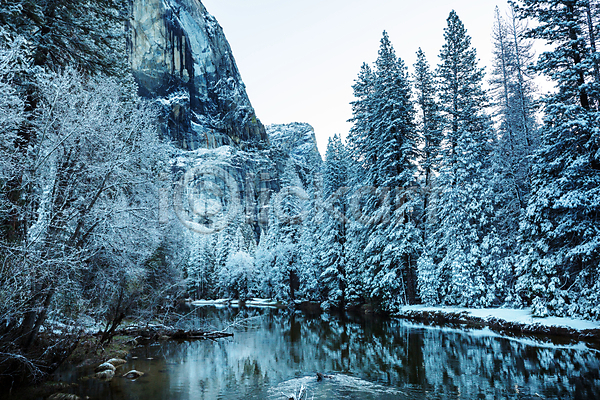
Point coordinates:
pixel 430 131
pixel 88 35
pixel 561 227
pixel 384 139
pixel 429 122
pixel 201 269
pixel 361 137
pixel 452 272
pixel 278 257
pixel 512 92
pixel 333 246
pixel 310 247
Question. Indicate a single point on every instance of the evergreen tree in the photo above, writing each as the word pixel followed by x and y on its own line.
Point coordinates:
pixel 452 272
pixel 361 137
pixel 561 227
pixel 310 247
pixel 88 35
pixel 429 124
pixel 385 139
pixel 201 269
pixel 429 127
pixel 512 92
pixel 278 256
pixel 333 245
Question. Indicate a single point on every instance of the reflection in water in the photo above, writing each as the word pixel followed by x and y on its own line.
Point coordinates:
pixel 368 358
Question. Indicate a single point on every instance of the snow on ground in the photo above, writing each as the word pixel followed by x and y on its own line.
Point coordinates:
pixel 519 316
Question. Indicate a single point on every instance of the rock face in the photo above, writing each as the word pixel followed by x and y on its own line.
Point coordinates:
pixel 297 141
pixel 224 187
pixel 231 187
pixel 179 55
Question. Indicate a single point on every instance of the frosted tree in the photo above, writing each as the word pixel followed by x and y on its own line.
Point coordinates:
pixel 89 207
pixel 385 140
pixel 237 277
pixel 86 34
pixel 453 273
pixel 512 93
pixel 359 143
pixel 561 247
pixel 201 268
pixel 429 124
pixel 12 110
pixel 278 256
pixel 361 137
pixel 236 240
pixel 429 128
pixel 333 245
pixel 310 245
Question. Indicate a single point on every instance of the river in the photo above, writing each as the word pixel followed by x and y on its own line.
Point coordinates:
pixel 274 354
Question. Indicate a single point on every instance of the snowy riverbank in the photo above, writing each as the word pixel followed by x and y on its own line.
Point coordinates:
pixel 505 320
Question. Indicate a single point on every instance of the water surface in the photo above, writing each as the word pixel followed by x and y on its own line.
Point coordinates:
pixel 278 352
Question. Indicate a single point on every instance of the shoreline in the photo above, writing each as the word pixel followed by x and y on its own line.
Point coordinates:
pixel 486 318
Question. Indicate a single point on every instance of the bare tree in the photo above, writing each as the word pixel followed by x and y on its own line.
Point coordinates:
pixel 89 204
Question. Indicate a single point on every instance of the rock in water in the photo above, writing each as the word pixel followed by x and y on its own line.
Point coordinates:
pixel 116 362
pixel 321 376
pixel 133 374
pixel 105 367
pixel 106 375
pixel 64 396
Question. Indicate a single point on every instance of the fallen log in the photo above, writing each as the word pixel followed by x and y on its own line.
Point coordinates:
pixel 156 333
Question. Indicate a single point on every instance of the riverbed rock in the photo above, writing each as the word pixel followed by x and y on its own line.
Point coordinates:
pixel 106 375
pixel 116 362
pixel 321 376
pixel 105 367
pixel 133 374
pixel 64 396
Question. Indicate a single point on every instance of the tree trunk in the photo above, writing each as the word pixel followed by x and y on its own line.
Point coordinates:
pixel 41 318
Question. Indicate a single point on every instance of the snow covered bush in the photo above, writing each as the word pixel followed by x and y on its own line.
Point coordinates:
pixel 237 279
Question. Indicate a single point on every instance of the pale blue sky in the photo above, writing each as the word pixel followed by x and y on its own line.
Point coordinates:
pixel 299 58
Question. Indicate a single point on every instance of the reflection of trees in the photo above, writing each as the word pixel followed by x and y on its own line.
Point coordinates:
pixel 474 365
pixel 432 363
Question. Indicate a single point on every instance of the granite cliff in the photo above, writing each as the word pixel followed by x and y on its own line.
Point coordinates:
pixel 179 55
pixel 223 157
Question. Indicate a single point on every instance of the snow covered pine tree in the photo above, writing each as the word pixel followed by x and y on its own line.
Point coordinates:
pixel 561 230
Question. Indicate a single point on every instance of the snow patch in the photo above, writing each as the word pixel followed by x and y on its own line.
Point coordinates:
pixel 513 315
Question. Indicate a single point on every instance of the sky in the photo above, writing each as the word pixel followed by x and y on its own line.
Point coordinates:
pixel 299 58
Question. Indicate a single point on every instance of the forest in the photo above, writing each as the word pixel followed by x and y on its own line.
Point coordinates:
pixel 453 187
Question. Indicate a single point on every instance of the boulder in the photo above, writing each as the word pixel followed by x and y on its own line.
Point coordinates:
pixel 116 362
pixel 64 396
pixel 106 375
pixel 107 366
pixel 133 374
